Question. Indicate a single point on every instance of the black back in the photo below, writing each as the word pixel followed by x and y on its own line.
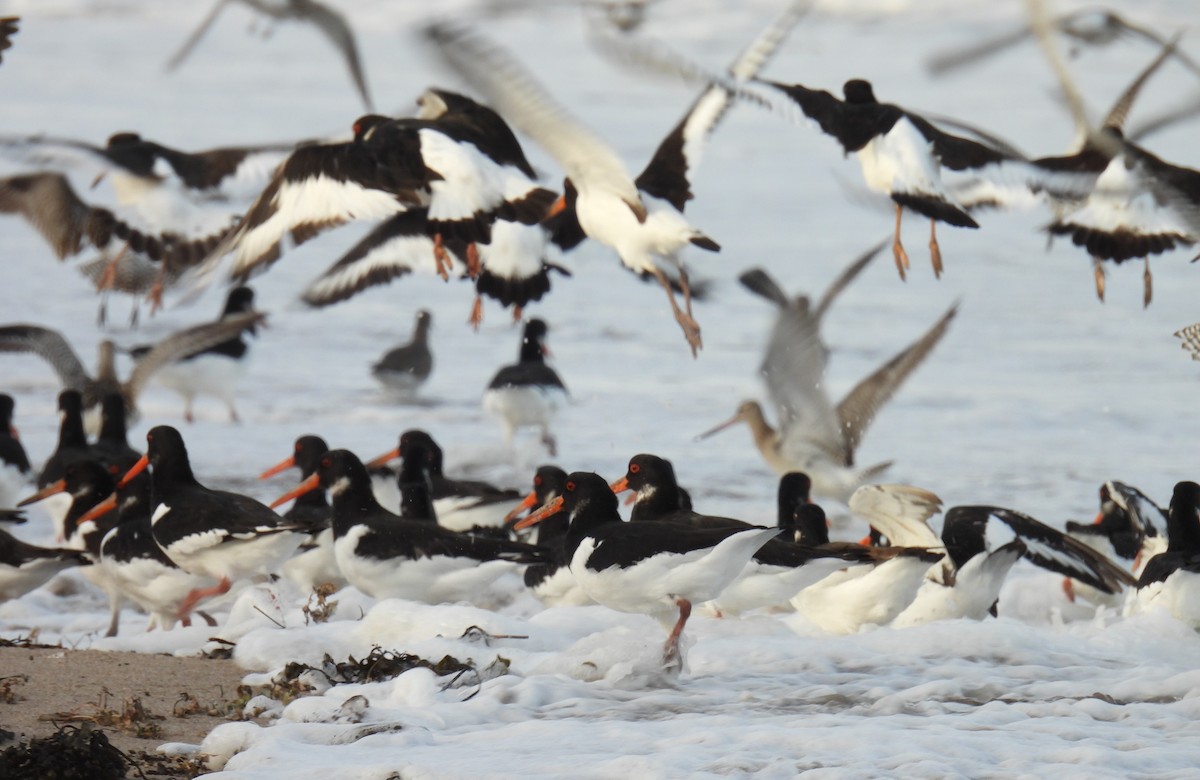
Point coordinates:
pixel 12 452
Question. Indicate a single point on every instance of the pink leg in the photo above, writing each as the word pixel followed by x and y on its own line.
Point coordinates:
pixel 671 648
pixel 198 594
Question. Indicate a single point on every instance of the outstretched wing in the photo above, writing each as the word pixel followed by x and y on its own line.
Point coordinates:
pixel 858 409
pixel 187 342
pixel 1149 518
pixel 48 202
pixel 50 346
pixel 666 175
pixel 1046 547
pixel 517 96
pixel 899 512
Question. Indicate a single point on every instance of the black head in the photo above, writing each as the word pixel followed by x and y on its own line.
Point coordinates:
pixel 809 524
pixel 794 492
pixel 132 152
pixel 548 483
pixel 70 402
pixel 168 455
pixel 419 444
pixel 859 91
pixel 588 500
pixel 88 476
pixel 307 453
pixel 424 321
pixel 239 300
pixel 365 124
pixel 339 470
pixel 533 341
pixel 112 415
pixel 7 404
pixel 1183 520
pixel 651 472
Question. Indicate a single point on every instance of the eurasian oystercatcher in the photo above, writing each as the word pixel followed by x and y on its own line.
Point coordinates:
pixel 642 219
pixel 527 393
pixel 845 601
pixel 901 153
pixel 214 533
pixel 329 22
pixel 133 562
pixel 653 568
pixel 552 582
pixel 815 436
pixel 15 470
pixel 72 447
pixel 779 570
pixel 406 367
pixel 1170 578
pixel 388 556
pixel 314 564
pixel 460 504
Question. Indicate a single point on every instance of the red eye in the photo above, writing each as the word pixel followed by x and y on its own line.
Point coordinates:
pixel 357 128
pixel 299 446
pixel 537 481
pixel 326 462
pixel 634 468
pixel 570 486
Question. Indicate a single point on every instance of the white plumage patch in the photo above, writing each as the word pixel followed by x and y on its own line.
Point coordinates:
pixel 471 183
pixel 901 161
pixel 1120 201
pixel 652 584
pixel 525 406
pixel 847 600
pixel 516 251
pixel 318 200
pixel 160 512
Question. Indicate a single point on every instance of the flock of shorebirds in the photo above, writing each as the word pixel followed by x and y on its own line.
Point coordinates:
pixel 451 193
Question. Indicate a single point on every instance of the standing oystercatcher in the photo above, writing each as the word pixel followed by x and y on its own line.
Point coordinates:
pixel 529 392
pixel 653 568
pixel 552 582
pixel 221 535
pixel 314 564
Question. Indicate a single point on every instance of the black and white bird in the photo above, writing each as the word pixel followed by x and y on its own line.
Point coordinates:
pixel 845 601
pixel 329 22
pixel 216 368
pixel 814 435
pixel 72 447
pixel 1171 578
pixel 445 171
pixel 1129 528
pixel 216 534
pixel 15 471
pixel 528 393
pixel 981 543
pixel 779 570
pixel 388 556
pixel 404 369
pixel 132 563
pixel 552 582
pixel 653 568
pixel 314 563
pixel 641 219
pixel 902 155
pixel 460 504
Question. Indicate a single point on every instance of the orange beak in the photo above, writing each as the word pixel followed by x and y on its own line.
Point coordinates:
pixel 307 486
pixel 620 486
pixel 138 468
pixel 865 541
pixel 553 508
pixel 557 207
pixel 281 466
pixel 384 459
pixel 99 510
pixel 526 503
pixel 46 492
pixel 1099 518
